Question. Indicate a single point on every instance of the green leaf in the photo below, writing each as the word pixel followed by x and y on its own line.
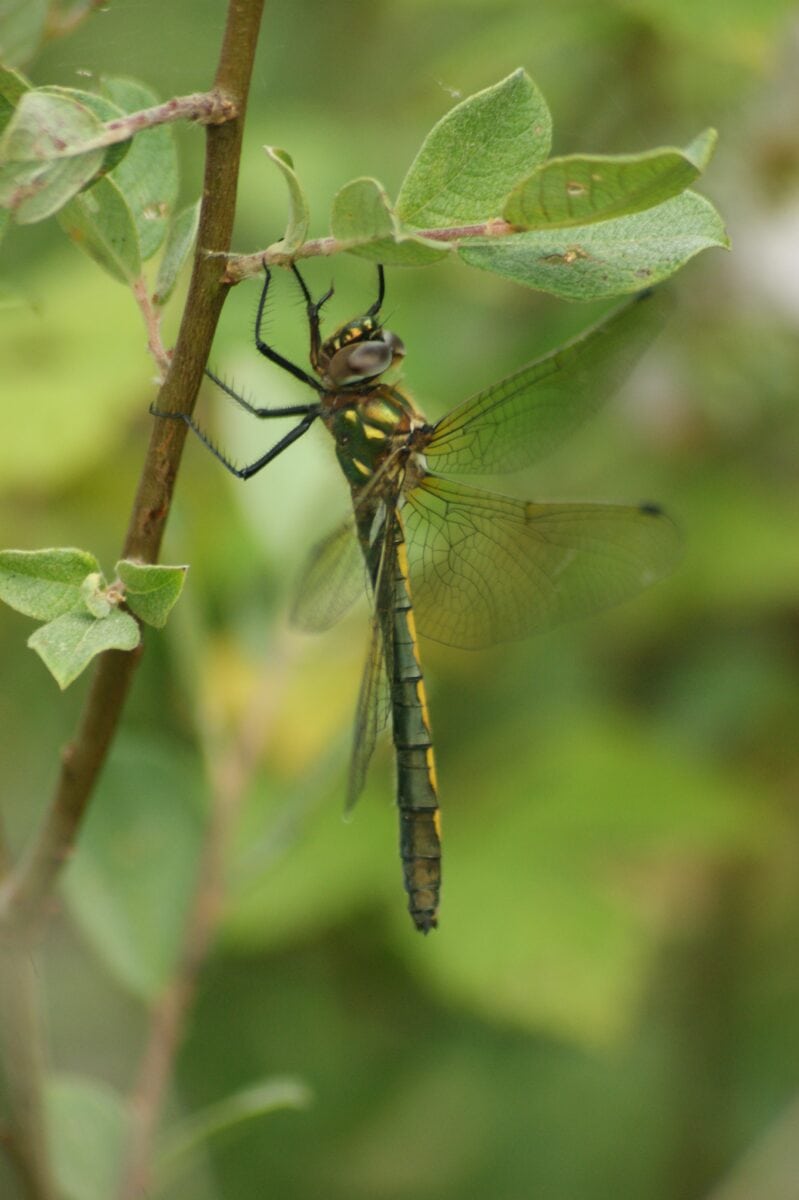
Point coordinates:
pixel 13 85
pixel 151 590
pixel 67 645
pixel 21 30
pixel 148 175
pixel 34 183
pixel 179 241
pixel 608 259
pixel 101 224
pixel 363 218
pixel 298 219
pixel 130 881
pixel 104 110
pixel 44 584
pixel 87 1127
pixel 259 1100
pixel 474 156
pixel 582 189
pixel 544 921
pixel 94 593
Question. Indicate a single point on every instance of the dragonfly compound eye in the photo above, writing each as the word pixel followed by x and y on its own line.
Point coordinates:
pixel 364 360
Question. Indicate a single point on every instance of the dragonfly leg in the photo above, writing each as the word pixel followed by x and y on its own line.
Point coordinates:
pixel 293 410
pixel 254 467
pixel 381 291
pixel 268 352
pixel 313 308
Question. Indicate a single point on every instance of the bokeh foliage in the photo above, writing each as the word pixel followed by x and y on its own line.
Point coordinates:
pixel 606 1007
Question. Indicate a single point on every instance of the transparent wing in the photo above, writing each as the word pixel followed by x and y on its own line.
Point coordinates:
pixel 332 579
pixel 371 715
pixel 488 568
pixel 374 698
pixel 520 419
pixel 334 575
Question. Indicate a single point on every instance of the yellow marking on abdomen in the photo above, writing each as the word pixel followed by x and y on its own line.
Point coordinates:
pixel 359 466
pixel 421 696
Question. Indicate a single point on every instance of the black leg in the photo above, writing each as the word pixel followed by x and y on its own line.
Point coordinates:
pixel 253 468
pixel 294 410
pixel 381 291
pixel 273 355
pixel 313 308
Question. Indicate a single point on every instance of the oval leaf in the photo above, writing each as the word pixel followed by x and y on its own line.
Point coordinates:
pixel 36 179
pixel 148 175
pixel 44 584
pixel 87 1127
pixel 537 933
pixel 298 219
pixel 151 590
pixel 130 881
pixel 23 23
pixel 101 224
pixel 607 259
pixel 582 189
pixel 473 157
pixel 13 86
pixel 104 110
pixel 363 218
pixel 179 241
pixel 67 645
pixel 259 1100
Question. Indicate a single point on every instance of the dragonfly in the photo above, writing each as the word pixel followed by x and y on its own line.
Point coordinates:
pixel 460 565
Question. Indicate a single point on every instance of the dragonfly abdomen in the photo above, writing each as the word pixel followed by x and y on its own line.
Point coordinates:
pixel 417 796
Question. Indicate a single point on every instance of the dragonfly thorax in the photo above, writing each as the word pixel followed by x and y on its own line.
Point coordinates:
pixel 373 429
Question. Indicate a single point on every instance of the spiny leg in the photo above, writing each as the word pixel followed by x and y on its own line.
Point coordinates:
pixel 267 351
pixel 313 308
pixel 254 467
pixel 292 410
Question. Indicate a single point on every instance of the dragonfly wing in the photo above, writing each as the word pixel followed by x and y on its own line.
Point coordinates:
pixel 374 698
pixel 372 713
pixel 330 582
pixel 488 568
pixel 520 419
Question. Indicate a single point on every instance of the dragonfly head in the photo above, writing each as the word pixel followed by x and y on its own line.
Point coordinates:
pixel 359 351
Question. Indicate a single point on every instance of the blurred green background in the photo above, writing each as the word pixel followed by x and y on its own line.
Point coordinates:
pixel 609 1008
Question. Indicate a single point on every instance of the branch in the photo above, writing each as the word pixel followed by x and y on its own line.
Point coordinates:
pixel 23 1056
pixel 230 771
pixel 23 894
pixel 242 266
pixel 207 108
pixel 151 314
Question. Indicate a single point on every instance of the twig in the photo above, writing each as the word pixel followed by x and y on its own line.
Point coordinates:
pixel 769 1167
pixel 24 893
pixel 207 108
pixel 242 266
pixel 23 1055
pixel 230 771
pixel 152 322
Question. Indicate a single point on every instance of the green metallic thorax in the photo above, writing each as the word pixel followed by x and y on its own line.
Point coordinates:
pixel 368 427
